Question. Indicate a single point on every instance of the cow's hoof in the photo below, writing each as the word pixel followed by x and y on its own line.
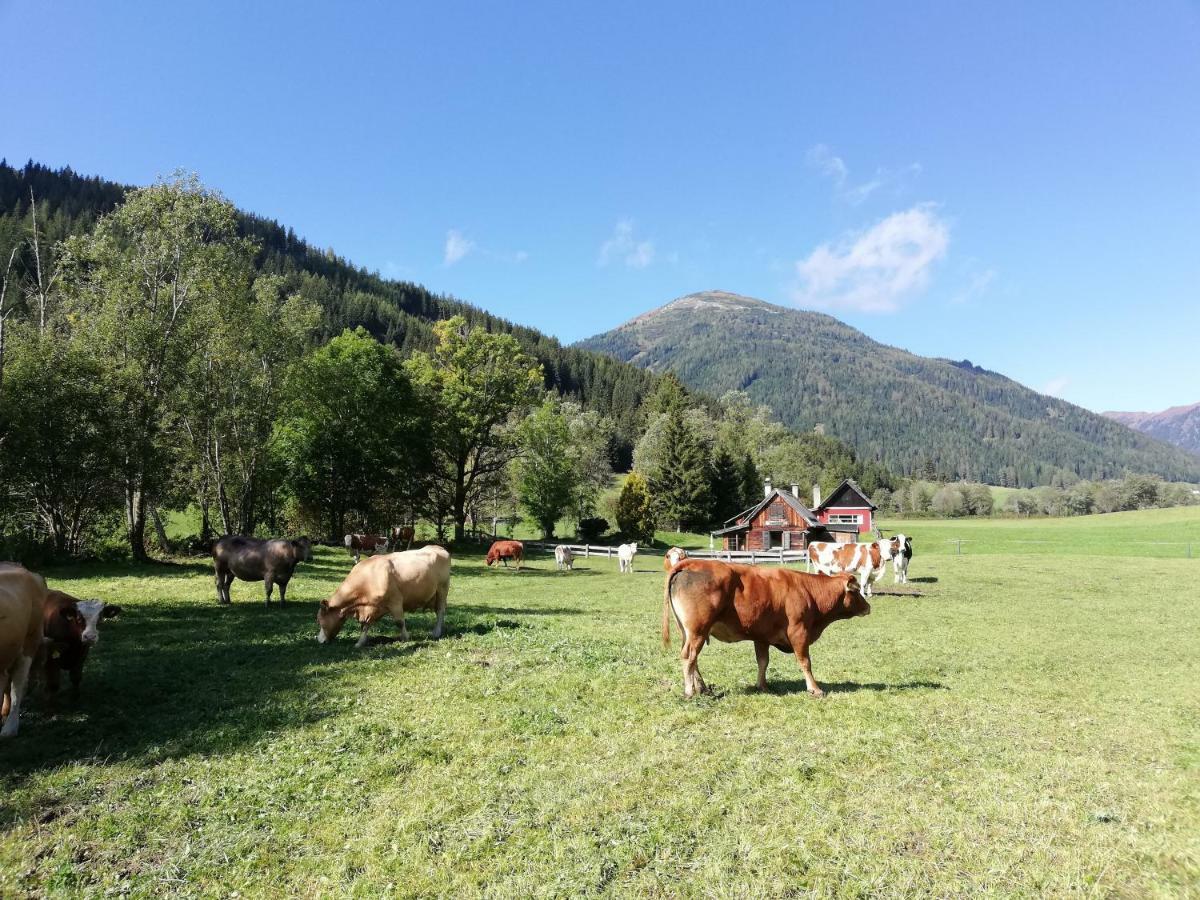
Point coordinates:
pixel 817 692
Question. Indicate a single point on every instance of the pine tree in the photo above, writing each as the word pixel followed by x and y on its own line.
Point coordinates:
pixel 681 482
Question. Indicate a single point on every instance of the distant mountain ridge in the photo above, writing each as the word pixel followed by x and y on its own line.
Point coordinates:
pixel 917 415
pixel 1179 425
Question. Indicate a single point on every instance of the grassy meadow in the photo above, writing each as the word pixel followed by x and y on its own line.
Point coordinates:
pixel 1023 719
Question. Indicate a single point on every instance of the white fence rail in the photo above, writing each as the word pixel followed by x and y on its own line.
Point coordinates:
pixel 751 557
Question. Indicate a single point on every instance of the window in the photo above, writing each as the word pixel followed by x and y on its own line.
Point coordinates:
pixel 846 519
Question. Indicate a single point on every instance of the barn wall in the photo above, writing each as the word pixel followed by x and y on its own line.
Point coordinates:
pixel 867 523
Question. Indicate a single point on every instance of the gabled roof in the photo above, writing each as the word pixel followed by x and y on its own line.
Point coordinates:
pixel 847 484
pixel 750 512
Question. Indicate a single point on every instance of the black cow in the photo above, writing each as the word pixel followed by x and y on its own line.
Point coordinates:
pixel 257 559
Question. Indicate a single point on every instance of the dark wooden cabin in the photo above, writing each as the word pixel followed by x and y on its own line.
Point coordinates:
pixel 780 522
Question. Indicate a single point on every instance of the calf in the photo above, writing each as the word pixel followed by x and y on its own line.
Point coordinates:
pixel 71 628
pixel 359 544
pixel 395 584
pixel 564 559
pixel 503 551
pixel 401 538
pixel 625 555
pixel 903 552
pixel 673 557
pixel 778 608
pixel 22 600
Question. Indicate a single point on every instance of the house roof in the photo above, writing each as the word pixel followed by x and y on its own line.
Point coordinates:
pixel 847 484
pixel 750 512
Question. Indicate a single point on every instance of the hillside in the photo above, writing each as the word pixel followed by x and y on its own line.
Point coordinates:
pixel 397 312
pixel 1179 425
pixel 928 417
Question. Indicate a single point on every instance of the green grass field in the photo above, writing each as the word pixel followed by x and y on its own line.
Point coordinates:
pixel 1029 725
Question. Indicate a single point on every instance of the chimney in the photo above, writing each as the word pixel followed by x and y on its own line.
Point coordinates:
pixel 816 495
pixel 767 488
pixel 796 490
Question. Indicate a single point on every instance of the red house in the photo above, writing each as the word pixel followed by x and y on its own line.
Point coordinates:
pixel 781 522
pixel 848 504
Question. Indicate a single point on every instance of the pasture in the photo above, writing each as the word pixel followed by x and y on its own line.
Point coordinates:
pixel 1030 725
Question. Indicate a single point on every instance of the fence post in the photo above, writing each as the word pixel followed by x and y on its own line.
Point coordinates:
pixel 958 548
pixel 781 556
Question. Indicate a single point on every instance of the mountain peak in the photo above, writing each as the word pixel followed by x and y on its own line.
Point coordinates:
pixel 703 301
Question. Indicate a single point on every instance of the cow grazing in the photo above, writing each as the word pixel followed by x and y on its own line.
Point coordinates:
pixel 625 555
pixel 778 608
pixel 865 561
pixel 564 559
pixel 393 584
pixel 401 538
pixel 257 559
pixel 359 544
pixel 673 557
pixel 70 628
pixel 503 551
pixel 902 553
pixel 22 601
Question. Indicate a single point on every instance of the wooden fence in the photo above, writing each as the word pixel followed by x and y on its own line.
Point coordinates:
pixel 751 557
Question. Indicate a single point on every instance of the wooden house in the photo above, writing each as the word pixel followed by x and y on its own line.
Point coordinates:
pixel 780 521
pixel 847 504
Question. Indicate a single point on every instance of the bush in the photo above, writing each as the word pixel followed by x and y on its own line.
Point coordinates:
pixel 591 528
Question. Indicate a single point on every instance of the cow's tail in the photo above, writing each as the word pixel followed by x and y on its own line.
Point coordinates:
pixel 666 616
pixel 348 540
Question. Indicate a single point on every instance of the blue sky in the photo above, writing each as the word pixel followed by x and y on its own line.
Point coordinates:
pixel 1015 184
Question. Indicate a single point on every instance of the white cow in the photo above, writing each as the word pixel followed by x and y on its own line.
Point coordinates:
pixel 625 555
pixel 901 557
pixel 673 558
pixel 564 559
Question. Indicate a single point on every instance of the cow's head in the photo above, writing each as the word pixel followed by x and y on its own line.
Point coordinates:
pixel 853 602
pixel 303 549
pixel 66 625
pixel 92 612
pixel 329 622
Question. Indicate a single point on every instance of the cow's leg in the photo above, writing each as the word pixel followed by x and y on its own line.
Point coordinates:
pixel 799 639
pixel 441 612
pixel 692 682
pixel 76 674
pixel 762 653
pixel 362 638
pixel 52 673
pixel 269 583
pixel 16 689
pixel 283 591
pixel 403 623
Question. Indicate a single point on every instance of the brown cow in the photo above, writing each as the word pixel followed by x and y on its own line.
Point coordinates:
pixel 401 537
pixel 395 584
pixel 70 628
pixel 358 544
pixel 506 550
pixel 778 608
pixel 22 599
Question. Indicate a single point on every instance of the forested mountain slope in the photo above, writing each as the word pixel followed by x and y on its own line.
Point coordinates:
pixel 932 418
pixel 1179 425
pixel 393 311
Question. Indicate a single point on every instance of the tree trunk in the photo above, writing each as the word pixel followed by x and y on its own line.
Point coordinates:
pixel 159 530
pixel 135 519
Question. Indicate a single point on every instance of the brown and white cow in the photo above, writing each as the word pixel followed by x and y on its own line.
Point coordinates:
pixel 401 537
pixel 865 561
pixel 503 551
pixel 393 584
pixel 359 544
pixel 773 607
pixel 673 557
pixel 22 601
pixel 70 628
pixel 564 559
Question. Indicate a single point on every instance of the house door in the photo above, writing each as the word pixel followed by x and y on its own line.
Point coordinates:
pixel 774 540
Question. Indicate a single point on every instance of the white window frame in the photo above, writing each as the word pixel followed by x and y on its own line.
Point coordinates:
pixel 845 518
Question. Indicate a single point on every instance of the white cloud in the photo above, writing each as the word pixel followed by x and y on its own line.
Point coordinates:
pixel 874 270
pixel 457 246
pixel 624 247
pixel 1055 387
pixel 832 166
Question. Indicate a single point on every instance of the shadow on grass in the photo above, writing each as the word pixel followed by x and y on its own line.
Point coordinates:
pixel 175 679
pixel 469 571
pixel 797 686
pixel 927 579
